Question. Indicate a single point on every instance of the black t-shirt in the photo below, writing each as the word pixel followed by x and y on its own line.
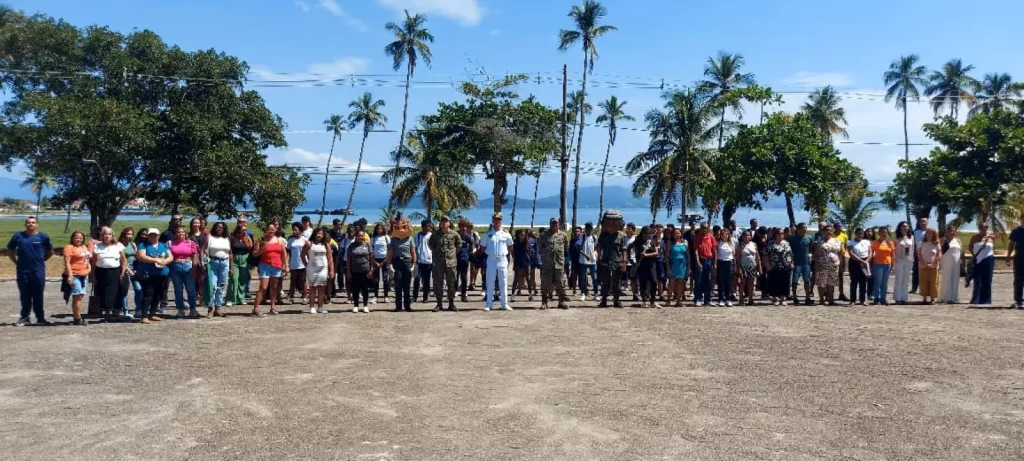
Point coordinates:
pixel 1017 237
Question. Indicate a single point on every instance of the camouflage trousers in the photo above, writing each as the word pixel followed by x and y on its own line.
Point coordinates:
pixel 445 276
pixel 552 276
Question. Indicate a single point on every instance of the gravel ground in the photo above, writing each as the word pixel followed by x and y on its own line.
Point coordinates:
pixel 793 383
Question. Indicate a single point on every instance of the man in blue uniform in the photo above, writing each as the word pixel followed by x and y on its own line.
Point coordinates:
pixel 29 251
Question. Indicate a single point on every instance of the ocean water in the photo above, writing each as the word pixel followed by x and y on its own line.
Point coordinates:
pixel 769 217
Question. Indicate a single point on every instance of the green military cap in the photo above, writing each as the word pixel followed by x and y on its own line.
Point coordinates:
pixel 496 215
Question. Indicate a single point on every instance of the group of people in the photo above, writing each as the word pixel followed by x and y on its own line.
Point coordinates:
pixel 658 265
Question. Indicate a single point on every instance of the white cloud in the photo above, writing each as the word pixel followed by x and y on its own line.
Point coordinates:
pixel 303 6
pixel 341 67
pixel 297 156
pixel 332 6
pixel 804 79
pixel 466 12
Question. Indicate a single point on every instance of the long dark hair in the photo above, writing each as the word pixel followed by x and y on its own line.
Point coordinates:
pixel 898 233
pixel 318 232
pixel 223 229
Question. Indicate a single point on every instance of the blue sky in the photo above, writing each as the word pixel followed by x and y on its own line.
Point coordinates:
pixel 790 45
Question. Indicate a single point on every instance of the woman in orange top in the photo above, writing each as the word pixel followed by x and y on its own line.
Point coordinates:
pixel 76 272
pixel 881 265
pixel 273 267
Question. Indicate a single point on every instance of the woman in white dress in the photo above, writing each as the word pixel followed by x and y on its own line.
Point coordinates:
pixel 319 269
pixel 949 268
pixel 903 264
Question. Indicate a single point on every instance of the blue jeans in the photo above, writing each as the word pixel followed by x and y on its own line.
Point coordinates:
pixel 219 281
pixel 880 274
pixel 725 271
pixel 30 288
pixel 983 272
pixel 136 287
pixel 181 278
pixel 702 290
pixel 586 269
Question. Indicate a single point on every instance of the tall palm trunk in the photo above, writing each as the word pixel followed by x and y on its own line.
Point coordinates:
pixel 721 130
pixel 355 179
pixel 536 188
pixel 327 175
pixel 401 136
pixel 906 148
pixel 515 202
pixel 789 210
pixel 579 143
pixel 604 169
pixel 39 200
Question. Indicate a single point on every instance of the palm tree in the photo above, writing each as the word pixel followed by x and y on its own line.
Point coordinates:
pixel 410 45
pixel 613 111
pixel 537 171
pixel 585 18
pixel 995 91
pixel 37 180
pixel 575 105
pixel 904 77
pixel 951 86
pixel 852 210
pixel 367 112
pixel 426 169
pixel 822 107
pixel 335 125
pixel 680 136
pixel 723 76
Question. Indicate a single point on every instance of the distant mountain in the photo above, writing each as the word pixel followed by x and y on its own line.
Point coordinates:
pixel 589 197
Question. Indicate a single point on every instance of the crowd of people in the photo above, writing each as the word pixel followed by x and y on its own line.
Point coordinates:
pixel 131 272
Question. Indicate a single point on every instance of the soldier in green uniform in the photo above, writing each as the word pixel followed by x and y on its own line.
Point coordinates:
pixel 553 245
pixel 444 247
pixel 611 256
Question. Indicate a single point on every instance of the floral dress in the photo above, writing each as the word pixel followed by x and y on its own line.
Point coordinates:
pixel 826 273
pixel 780 254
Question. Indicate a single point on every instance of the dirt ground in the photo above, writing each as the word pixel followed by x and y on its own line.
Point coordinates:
pixel 793 383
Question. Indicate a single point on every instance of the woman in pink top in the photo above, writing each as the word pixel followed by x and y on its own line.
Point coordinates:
pixel 185 253
pixel 273 267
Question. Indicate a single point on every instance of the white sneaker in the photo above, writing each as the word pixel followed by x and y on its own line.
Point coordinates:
pixel 511 299
pixel 312 310
pixel 303 301
pixel 355 310
pixel 366 309
pixel 583 298
pixel 385 300
pixel 728 304
pixel 506 308
pixel 373 300
pixel 721 304
pixel 322 310
pixel 487 308
pixel 229 304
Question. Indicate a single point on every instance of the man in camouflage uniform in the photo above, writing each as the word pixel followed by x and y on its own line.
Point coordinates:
pixel 554 243
pixel 611 256
pixel 444 247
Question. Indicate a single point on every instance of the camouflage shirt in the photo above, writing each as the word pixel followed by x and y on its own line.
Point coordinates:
pixel 444 247
pixel 553 248
pixel 611 246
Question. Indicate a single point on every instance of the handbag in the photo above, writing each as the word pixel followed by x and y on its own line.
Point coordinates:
pixel 95 310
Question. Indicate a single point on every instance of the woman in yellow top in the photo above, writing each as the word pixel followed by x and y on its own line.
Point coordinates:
pixel 77 267
pixel 882 250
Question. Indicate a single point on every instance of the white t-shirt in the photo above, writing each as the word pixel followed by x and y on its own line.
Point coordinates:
pixel 726 251
pixel 748 254
pixel 108 256
pixel 295 245
pixel 587 248
pixel 218 247
pixel 380 246
pixel 306 234
pixel 860 248
pixel 423 253
pixel 904 252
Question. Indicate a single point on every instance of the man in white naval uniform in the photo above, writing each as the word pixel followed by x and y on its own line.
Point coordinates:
pixel 497 242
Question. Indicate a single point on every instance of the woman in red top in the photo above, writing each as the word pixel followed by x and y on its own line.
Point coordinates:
pixel 77 268
pixel 273 267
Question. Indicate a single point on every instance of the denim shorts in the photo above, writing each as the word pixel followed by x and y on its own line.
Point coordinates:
pixel 79 285
pixel 267 271
pixel 802 270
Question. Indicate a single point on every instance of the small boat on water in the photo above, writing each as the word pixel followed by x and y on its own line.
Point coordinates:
pixel 688 218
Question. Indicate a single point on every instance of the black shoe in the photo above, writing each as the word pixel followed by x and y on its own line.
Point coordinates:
pixel 43 323
pixel 617 304
pixel 398 309
pixel 603 304
pixel 452 307
pixel 563 306
pixel 22 322
pixel 437 308
pixel 843 298
pixel 80 322
pixel 408 309
pixel 808 301
pixel 465 299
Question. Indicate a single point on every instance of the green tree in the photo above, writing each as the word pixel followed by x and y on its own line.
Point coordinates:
pixel 676 159
pixel 279 193
pixel 365 112
pixel 440 176
pixel 762 96
pixel 612 111
pixel 903 79
pixel 951 86
pixel 917 186
pixel 37 180
pixel 851 208
pixel 109 133
pixel 996 91
pixel 579 108
pixel 824 110
pixel 335 125
pixel 586 19
pixel 410 45
pixel 723 79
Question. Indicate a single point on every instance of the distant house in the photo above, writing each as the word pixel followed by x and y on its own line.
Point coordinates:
pixel 138 204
